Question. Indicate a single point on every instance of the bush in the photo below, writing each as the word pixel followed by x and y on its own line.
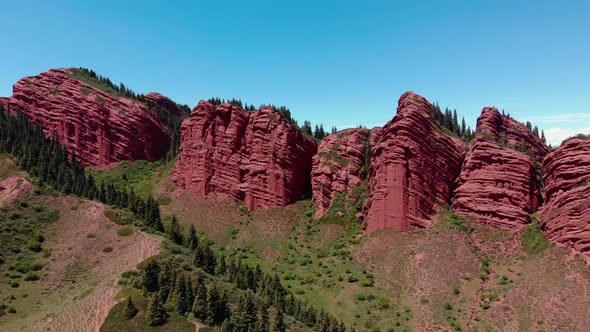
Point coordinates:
pixel 125 231
pixel 107 249
pixel 447 306
pixel 34 246
pixel 14 284
pixel 352 279
pixel 367 283
pixel 32 276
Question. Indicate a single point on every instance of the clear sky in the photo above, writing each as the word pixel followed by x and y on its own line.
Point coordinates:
pixel 341 63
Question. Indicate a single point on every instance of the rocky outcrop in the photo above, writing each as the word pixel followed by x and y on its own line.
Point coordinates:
pixel 96 124
pixel 565 216
pixel 509 132
pixel 164 102
pixel 258 157
pixel 413 168
pixel 499 185
pixel 338 166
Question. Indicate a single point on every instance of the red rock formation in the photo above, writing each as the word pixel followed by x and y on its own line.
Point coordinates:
pixel 499 185
pixel 510 132
pixel 258 157
pixel 413 168
pixel 565 216
pixel 337 167
pixel 164 102
pixel 99 127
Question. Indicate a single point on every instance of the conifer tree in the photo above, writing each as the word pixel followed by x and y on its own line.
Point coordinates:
pixel 150 276
pixel 155 315
pixel 279 325
pixel 192 239
pixel 200 303
pixel 130 309
pixel 174 231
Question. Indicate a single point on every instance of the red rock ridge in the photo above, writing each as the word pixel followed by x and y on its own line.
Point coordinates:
pixel 98 127
pixel 510 131
pixel 337 167
pixel 413 168
pixel 163 102
pixel 258 157
pixel 499 185
pixel 565 216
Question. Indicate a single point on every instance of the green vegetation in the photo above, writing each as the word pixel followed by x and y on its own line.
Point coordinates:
pixel 532 239
pixel 456 221
pixel 450 124
pixel 125 231
pixel 140 176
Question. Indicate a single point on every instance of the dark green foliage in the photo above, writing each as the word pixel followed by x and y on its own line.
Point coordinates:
pixel 279 325
pixel 192 241
pixel 174 232
pixel 130 309
pixel 150 277
pixel 156 315
pixel 449 120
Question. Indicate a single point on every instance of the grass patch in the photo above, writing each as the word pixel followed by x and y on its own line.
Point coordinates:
pixel 533 241
pixel 456 221
pixel 140 176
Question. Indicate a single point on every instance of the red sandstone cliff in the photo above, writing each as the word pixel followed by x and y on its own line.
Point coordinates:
pixel 164 103
pixel 499 185
pixel 99 127
pixel 413 168
pixel 338 165
pixel 258 157
pixel 565 216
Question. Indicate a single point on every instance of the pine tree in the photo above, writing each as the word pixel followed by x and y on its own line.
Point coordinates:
pixel 150 276
pixel 183 299
pixel 174 231
pixel 130 309
pixel 192 239
pixel 156 315
pixel 279 325
pixel 200 303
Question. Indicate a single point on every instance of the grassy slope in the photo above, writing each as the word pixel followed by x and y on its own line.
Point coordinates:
pixel 141 176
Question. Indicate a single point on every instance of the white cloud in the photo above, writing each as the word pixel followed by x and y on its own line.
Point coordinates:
pixel 560 118
pixel 556 135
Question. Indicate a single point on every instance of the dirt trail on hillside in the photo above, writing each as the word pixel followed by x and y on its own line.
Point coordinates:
pixel 80 261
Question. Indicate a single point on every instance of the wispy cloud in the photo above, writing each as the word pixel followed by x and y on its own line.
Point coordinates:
pixel 556 135
pixel 559 118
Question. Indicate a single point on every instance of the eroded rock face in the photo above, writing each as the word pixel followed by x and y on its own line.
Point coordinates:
pixel 499 185
pixel 338 166
pixel 565 216
pixel 164 103
pixel 510 132
pixel 413 168
pixel 258 157
pixel 100 128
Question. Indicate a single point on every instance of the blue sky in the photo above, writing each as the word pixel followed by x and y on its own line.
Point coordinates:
pixel 342 63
